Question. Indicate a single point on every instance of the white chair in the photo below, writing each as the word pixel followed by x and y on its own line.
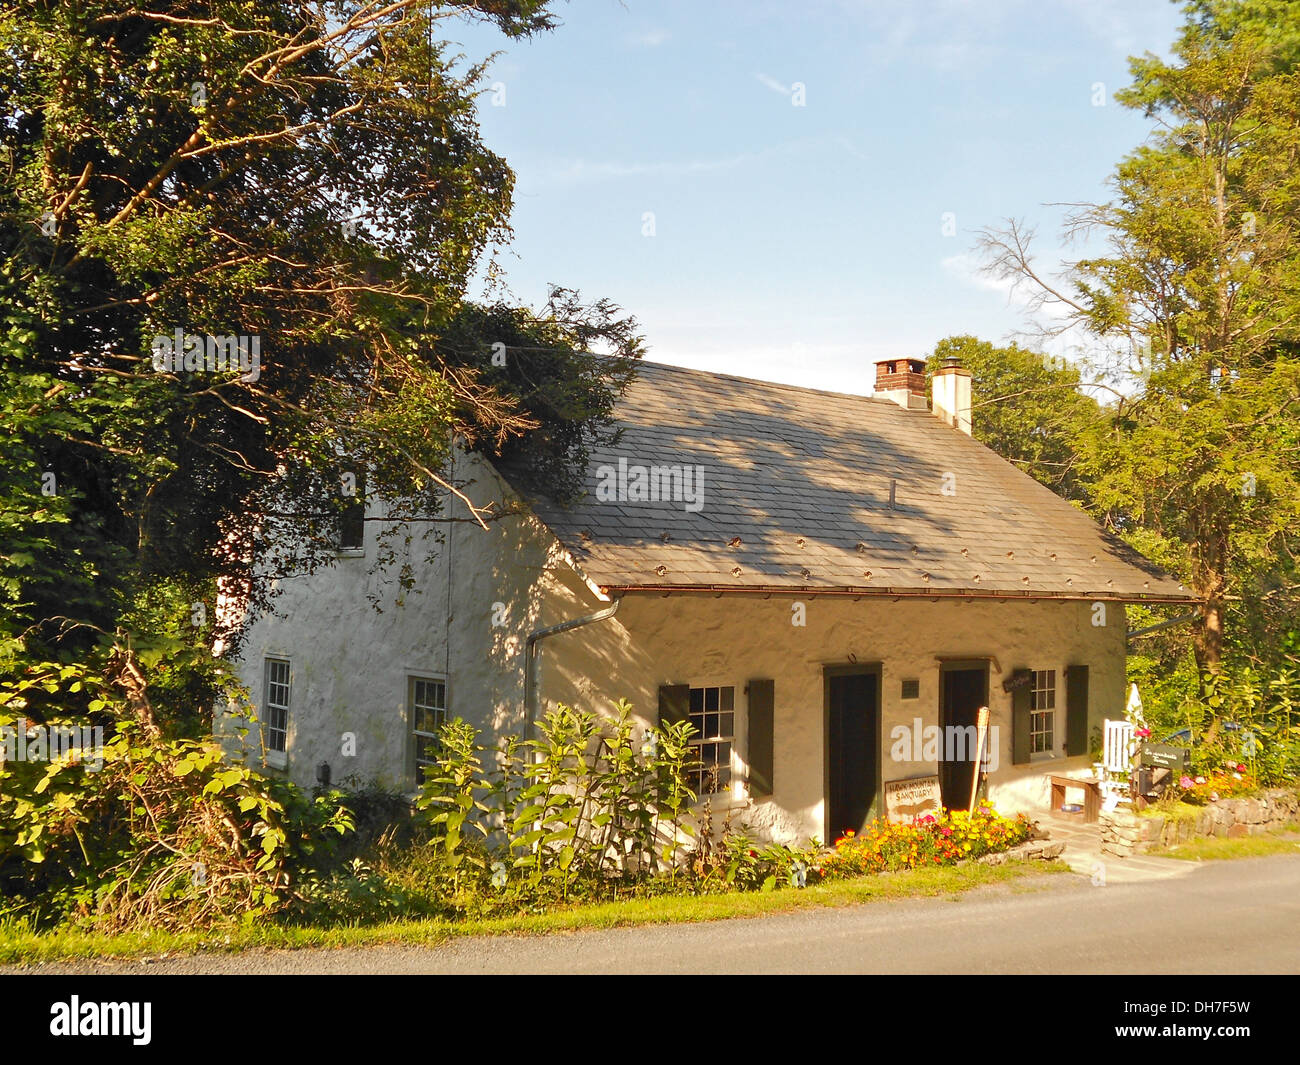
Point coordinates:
pixel 1118 747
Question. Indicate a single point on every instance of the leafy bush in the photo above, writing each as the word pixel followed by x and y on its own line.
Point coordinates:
pixel 171 832
pixel 751 866
pixel 576 806
pixel 166 833
pixel 1240 716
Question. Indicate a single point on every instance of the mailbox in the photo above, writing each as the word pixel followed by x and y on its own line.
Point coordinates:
pixel 1151 781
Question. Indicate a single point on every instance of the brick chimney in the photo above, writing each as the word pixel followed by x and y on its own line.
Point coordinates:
pixel 951 391
pixel 902 381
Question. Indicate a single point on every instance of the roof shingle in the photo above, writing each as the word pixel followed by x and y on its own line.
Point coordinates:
pixel 803 479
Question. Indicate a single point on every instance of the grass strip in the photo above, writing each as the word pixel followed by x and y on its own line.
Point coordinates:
pixel 19 944
pixel 1284 840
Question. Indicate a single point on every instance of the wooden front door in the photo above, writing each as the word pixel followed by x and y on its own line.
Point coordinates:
pixel 852 751
pixel 962 692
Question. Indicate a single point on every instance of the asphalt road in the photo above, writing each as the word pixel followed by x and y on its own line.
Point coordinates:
pixel 1221 917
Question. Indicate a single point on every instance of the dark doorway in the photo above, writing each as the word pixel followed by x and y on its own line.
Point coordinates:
pixel 852 750
pixel 964 689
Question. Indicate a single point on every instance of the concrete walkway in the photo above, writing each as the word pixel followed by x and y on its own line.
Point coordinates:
pixel 1083 854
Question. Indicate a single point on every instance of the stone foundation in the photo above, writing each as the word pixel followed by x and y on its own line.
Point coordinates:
pixel 1124 833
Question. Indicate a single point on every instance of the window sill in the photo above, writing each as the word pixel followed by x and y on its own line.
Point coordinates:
pixel 350 552
pixel 276 760
pixel 721 800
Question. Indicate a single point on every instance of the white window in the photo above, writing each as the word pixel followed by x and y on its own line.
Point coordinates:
pixel 352 521
pixel 712 712
pixel 427 711
pixel 1042 712
pixel 275 716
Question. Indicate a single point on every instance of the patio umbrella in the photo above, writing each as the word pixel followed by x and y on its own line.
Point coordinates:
pixel 1133 710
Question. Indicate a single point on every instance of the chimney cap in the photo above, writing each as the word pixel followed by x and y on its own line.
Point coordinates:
pixel 952 362
pixel 909 364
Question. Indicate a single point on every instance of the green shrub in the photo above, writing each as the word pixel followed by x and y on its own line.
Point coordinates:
pixel 580 804
pixel 166 833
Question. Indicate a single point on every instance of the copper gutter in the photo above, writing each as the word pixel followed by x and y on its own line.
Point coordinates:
pixel 889 592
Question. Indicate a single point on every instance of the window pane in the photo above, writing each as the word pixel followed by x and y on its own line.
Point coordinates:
pixel 728 697
pixel 275 711
pixel 427 713
pixel 697 700
pixel 710 698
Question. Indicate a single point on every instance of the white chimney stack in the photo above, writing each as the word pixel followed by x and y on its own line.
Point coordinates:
pixel 951 394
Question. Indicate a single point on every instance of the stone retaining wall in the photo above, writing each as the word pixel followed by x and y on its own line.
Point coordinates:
pixel 1038 849
pixel 1124 832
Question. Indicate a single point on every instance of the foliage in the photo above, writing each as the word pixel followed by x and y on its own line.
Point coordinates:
pixel 1192 306
pixel 580 803
pixel 312 176
pixel 751 866
pixel 1026 408
pixel 169 833
pixel 1238 716
pixel 166 833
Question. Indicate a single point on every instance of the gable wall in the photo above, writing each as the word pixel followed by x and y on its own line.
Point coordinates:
pixel 350 662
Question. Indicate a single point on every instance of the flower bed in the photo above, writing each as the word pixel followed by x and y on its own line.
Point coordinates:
pixel 945 838
pixel 1226 783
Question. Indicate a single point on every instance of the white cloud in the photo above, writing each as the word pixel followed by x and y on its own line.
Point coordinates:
pixel 966 268
pixel 651 38
pixel 774 85
pixel 575 171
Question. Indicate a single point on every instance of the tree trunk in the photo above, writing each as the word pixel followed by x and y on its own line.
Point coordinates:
pixel 1208 640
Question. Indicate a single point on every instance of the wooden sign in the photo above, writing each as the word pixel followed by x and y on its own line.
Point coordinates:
pixel 1165 757
pixel 1018 679
pixel 906 800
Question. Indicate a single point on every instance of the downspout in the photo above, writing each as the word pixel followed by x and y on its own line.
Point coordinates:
pixel 531 650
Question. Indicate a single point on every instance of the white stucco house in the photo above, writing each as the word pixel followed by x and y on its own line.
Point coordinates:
pixel 812 578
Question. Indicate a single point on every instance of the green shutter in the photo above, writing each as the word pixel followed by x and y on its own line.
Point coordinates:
pixel 1076 710
pixel 762 703
pixel 674 704
pixel 1020 724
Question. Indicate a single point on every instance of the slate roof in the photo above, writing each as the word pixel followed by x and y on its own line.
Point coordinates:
pixel 796 496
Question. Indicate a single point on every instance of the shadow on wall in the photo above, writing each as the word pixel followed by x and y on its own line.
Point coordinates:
pixel 588 667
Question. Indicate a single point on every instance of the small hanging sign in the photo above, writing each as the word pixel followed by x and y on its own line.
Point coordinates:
pixel 1019 679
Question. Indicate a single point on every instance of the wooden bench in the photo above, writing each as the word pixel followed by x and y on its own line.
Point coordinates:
pixel 1091 795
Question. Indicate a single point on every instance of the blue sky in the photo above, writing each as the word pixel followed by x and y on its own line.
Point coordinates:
pixel 801 243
